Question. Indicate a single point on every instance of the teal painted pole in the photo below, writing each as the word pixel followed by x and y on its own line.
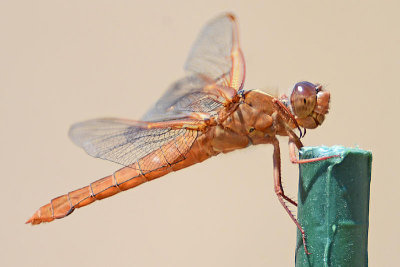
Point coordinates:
pixel 333 207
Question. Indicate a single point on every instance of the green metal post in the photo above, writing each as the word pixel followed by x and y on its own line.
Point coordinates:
pixel 333 207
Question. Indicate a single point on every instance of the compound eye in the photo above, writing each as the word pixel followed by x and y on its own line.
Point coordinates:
pixel 303 99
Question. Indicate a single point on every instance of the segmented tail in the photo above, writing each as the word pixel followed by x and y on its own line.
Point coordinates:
pixel 64 205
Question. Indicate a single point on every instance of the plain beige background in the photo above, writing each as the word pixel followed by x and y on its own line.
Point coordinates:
pixel 67 61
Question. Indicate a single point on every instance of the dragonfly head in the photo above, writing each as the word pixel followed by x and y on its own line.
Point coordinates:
pixel 309 103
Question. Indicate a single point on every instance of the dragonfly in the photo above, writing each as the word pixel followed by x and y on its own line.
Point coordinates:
pixel 204 114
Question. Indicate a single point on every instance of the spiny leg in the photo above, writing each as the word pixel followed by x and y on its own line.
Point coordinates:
pixel 295 160
pixel 279 190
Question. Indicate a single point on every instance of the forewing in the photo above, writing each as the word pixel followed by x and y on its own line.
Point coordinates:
pixel 215 60
pixel 216 53
pixel 185 97
pixel 126 142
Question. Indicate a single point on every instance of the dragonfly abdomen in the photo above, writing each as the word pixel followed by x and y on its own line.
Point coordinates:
pixel 158 163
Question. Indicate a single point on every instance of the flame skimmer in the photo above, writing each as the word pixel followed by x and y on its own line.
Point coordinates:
pixel 202 115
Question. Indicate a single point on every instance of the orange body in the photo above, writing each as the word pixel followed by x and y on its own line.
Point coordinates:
pixel 251 122
pixel 201 115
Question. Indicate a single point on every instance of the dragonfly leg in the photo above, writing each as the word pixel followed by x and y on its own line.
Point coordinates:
pixel 295 160
pixel 279 190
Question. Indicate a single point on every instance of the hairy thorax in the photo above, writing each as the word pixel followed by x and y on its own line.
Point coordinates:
pixel 254 121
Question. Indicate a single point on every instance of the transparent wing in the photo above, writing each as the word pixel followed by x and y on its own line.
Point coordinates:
pixel 188 95
pixel 216 53
pixel 216 63
pixel 217 66
pixel 126 142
